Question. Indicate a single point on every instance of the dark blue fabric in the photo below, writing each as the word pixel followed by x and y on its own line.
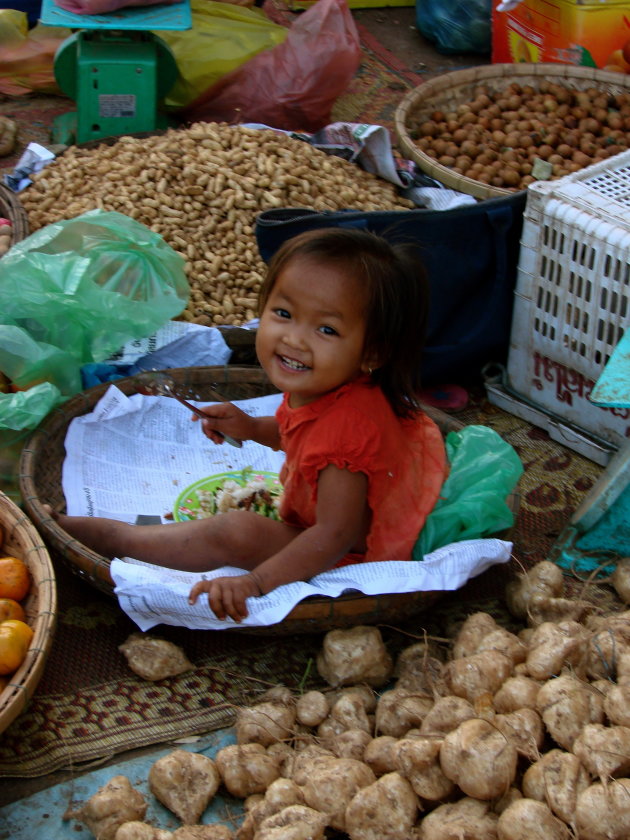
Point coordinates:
pixel 471 256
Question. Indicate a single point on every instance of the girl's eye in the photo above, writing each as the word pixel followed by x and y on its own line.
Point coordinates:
pixel 328 330
pixel 281 313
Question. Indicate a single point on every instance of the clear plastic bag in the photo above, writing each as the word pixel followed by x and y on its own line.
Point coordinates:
pixel 76 291
pixel 484 470
pixel 456 27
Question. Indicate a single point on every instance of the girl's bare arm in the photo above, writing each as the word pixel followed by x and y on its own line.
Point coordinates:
pixel 227 419
pixel 341 526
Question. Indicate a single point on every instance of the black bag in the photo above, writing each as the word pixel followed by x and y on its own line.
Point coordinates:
pixel 471 256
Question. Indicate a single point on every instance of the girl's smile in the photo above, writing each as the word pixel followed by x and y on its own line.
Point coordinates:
pixel 312 330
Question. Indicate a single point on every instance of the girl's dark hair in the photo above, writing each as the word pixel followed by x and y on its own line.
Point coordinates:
pixel 396 301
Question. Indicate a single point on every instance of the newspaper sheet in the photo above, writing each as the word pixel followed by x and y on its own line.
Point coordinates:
pixel 133 456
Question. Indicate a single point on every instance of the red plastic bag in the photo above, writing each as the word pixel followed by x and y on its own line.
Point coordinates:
pixel 102 7
pixel 294 85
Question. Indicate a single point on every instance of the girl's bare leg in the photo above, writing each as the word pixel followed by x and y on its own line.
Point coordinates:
pixel 239 538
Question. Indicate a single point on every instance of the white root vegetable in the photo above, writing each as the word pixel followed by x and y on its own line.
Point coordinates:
pixel 518 692
pixel 386 808
pixel 566 705
pixel 620 579
pixel 446 714
pixel 354 656
pixel 503 802
pixel 307 760
pixel 312 708
pixel 152 658
pixel 479 674
pixel 203 832
pixel 185 782
pixel 604 750
pixel 246 769
pixel 543 609
pixel 554 646
pixel 542 580
pixel 505 642
pixel 115 803
pixel 351 744
pixel 466 819
pixel 380 756
pixel 398 711
pixel 617 705
pixel 265 723
pixel 603 812
pixel 418 760
pixel 479 759
pixel 525 729
pixel 367 694
pixel 331 785
pixel 420 670
pixel 557 778
pixel 470 634
pixel 528 819
pixel 280 794
pixel 606 648
pixel 296 822
pixel 136 830
pixel 349 711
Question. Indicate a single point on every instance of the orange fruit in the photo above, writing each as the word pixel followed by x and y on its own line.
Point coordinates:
pixel 15 638
pixel 11 609
pixel 15 580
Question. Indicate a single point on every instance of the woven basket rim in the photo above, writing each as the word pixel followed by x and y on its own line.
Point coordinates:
pixel 474 76
pixel 11 208
pixel 20 530
pixel 94 568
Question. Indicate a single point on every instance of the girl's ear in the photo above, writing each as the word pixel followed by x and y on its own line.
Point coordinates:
pixel 370 363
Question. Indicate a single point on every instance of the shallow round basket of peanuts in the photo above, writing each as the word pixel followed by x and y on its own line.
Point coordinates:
pixel 492 130
pixel 201 188
pixel 511 730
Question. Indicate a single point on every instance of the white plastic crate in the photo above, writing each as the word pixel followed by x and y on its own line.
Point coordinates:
pixel 572 306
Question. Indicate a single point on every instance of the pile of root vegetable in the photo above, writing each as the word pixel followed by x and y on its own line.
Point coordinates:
pixel 501 137
pixel 201 189
pixel 497 735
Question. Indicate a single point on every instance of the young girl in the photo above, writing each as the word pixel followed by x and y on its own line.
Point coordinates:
pixel 343 315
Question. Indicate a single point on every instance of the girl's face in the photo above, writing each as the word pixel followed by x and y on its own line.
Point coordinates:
pixel 312 330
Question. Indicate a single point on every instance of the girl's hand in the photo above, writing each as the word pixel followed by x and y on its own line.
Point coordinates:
pixel 226 595
pixel 226 419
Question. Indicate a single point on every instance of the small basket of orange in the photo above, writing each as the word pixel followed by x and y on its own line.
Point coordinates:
pixel 28 609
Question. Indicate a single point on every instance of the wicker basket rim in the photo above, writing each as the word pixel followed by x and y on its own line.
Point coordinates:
pixel 12 209
pixel 95 568
pixel 22 684
pixel 477 75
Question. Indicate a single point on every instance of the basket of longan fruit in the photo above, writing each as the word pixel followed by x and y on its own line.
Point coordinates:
pixel 28 608
pixel 492 130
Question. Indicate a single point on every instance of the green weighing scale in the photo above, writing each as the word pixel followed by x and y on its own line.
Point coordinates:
pixel 115 68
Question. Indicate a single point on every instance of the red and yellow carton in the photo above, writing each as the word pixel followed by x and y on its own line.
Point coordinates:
pixel 591 34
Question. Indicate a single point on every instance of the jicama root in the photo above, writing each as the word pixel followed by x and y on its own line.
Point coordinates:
pixel 603 812
pixel 528 819
pixel 185 782
pixel 115 803
pixel 479 759
pixel 386 808
pixel 355 656
pixel 557 778
pixel 154 659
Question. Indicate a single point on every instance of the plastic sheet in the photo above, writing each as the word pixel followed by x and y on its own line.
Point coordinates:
pixel 484 470
pixel 456 27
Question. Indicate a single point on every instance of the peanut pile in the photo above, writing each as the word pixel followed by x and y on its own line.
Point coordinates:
pixel 201 189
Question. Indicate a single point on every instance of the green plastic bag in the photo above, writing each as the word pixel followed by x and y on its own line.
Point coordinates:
pixel 75 292
pixel 484 470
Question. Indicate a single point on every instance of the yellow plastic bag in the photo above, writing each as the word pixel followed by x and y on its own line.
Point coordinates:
pixel 223 36
pixel 26 56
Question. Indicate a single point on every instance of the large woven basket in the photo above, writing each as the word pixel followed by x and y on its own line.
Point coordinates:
pixel 40 483
pixel 11 208
pixel 22 540
pixel 449 90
